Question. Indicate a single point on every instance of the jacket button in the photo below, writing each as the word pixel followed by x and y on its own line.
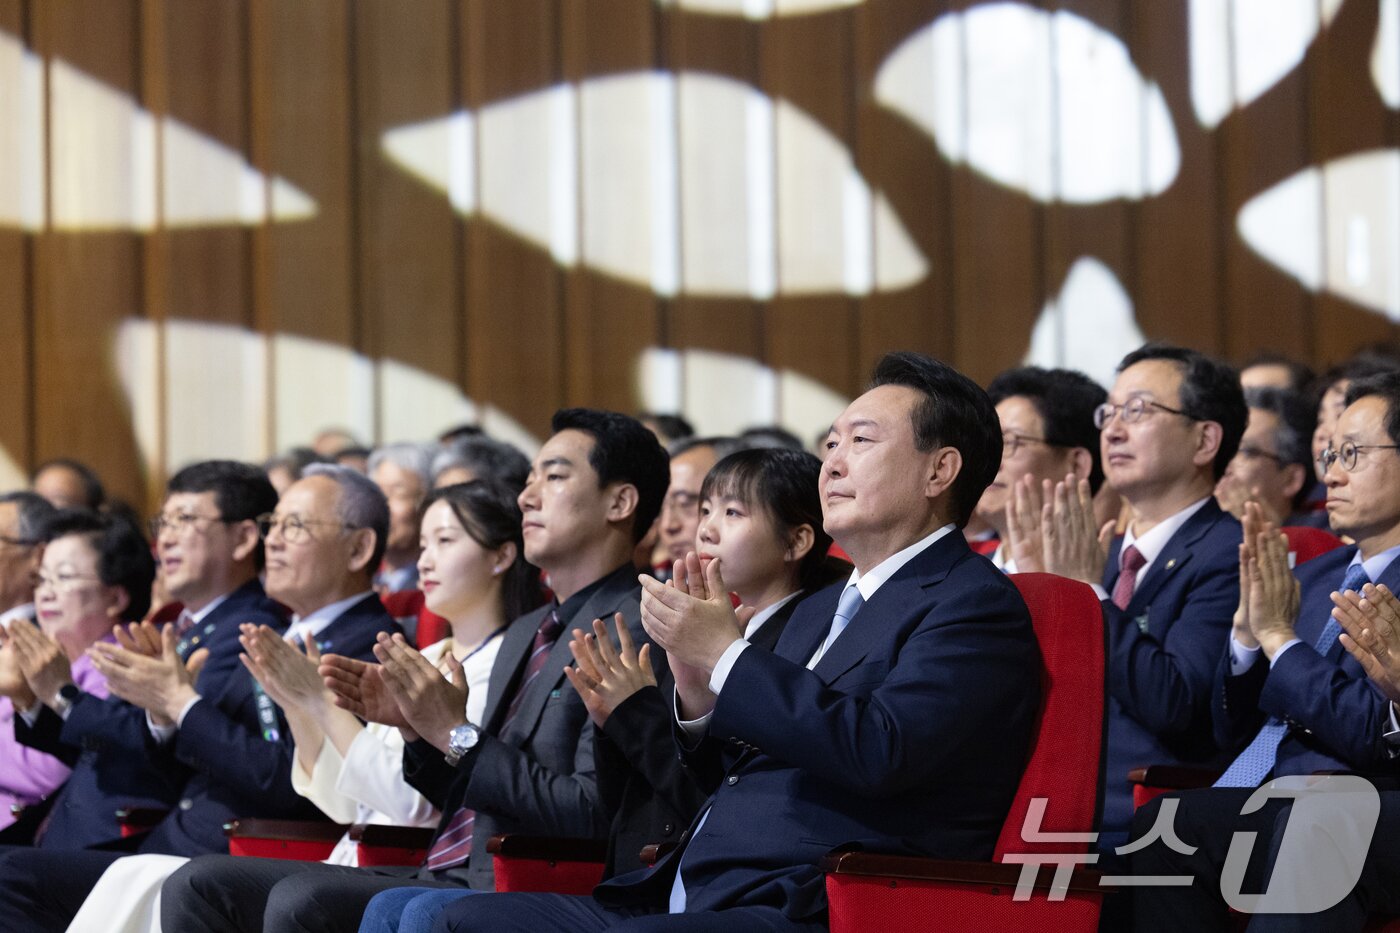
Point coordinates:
pixel 668 829
pixel 186 803
pixel 732 779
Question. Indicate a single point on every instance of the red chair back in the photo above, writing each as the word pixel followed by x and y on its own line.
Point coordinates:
pixel 1066 755
pixel 1306 543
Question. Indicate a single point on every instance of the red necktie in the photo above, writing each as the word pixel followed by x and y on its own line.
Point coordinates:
pixel 1131 562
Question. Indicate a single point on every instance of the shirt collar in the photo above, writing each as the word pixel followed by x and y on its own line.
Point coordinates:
pixel 1377 564
pixel 869 582
pixel 203 613
pixel 316 622
pixel 1151 543
pixel 767 612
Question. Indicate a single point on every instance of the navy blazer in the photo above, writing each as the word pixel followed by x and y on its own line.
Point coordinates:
pixel 535 774
pixel 109 740
pixel 1337 717
pixel 909 736
pixel 235 767
pixel 1162 654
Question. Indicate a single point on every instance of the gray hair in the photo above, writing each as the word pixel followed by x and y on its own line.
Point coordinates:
pixel 415 458
pixel 35 513
pixel 487 459
pixel 362 503
pixel 1296 420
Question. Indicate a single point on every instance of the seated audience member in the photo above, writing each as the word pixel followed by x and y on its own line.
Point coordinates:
pixel 1276 371
pixel 286 469
pixel 1331 389
pixel 770 435
pixel 667 428
pixel 896 710
pixel 527 764
pixel 27 776
pixel 403 473
pixel 480 457
pixel 68 484
pixel 329 442
pixel 1273 466
pixel 1286 683
pixel 1047 432
pixel 217 736
pixel 760 514
pixel 1170 584
pixel 474 571
pixel 691 459
pixel 356 458
pixel 96 571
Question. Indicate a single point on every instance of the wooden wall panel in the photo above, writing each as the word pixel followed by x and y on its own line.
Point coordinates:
pixel 87 282
pixel 16 308
pixel 514 287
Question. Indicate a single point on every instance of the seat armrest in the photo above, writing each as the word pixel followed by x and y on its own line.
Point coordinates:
pixel 550 848
pixel 140 817
pixel 396 837
pixel 291 830
pixel 1176 777
pixel 949 871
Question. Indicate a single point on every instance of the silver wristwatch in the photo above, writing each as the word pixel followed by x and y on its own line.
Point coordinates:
pixel 460 741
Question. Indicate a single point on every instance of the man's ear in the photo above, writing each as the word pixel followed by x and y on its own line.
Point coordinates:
pixel 1297 475
pixel 246 539
pixel 364 541
pixel 622 501
pixel 1208 443
pixel 1081 463
pixel 945 465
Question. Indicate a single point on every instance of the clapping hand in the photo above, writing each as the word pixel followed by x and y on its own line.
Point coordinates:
pixel 605 676
pixel 433 704
pixel 288 676
pixel 1075 546
pixel 1370 623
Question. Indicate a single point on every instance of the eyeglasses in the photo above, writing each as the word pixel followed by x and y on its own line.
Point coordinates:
pixel 180 522
pixel 64 581
pixel 1258 453
pixel 1011 442
pixel 294 528
pixel 1349 454
pixel 1133 410
pixel 683 501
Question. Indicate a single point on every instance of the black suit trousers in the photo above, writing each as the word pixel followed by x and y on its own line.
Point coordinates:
pixel 542 913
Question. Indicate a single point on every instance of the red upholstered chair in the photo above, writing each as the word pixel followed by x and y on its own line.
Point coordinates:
pixel 298 840
pixel 868 891
pixel 546 864
pixel 1306 543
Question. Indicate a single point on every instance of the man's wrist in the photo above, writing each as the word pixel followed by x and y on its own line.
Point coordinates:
pixel 1274 639
pixel 62 699
pixel 175 705
pixel 1245 638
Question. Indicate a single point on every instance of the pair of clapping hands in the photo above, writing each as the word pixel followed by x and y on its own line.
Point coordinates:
pixel 33 666
pixel 1269 593
pixel 1052 528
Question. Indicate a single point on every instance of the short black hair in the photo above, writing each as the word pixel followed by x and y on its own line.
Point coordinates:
pixel 34 513
pixel 94 496
pixel 1065 400
pixel 487 458
pixel 1210 391
pixel 672 427
pixel 783 484
pixel 770 435
pixel 624 451
pixel 490 515
pixel 955 412
pixel 1361 366
pixel 1385 386
pixel 241 491
pixel 123 554
pixel 1300 375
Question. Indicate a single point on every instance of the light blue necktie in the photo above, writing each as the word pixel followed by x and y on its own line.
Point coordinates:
pixel 846 610
pixel 1254 763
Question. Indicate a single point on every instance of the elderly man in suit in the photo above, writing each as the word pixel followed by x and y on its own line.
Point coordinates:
pixel 594 489
pixel 1286 682
pixel 216 736
pixel 1170 584
pixel 896 710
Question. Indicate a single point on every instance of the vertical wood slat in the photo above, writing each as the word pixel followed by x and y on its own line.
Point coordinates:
pixel 16 299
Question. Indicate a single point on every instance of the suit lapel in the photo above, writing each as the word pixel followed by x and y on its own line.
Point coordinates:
pixel 924 570
pixel 805 630
pixel 1174 555
pixel 515 647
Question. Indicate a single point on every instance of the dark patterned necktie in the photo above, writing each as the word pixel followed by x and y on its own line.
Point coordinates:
pixel 1126 583
pixel 453 846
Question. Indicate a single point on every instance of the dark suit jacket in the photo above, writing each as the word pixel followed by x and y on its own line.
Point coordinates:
pixel 108 742
pixel 535 775
pixel 1162 654
pixel 233 769
pixel 644 786
pixel 909 736
pixel 1337 716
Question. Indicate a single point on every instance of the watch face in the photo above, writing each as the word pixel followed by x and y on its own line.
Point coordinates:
pixel 69 692
pixel 464 737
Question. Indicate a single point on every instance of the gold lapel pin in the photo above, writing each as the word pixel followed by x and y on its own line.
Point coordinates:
pixel 1171 563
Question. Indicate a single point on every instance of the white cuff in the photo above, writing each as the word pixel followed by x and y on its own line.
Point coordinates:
pixel 1100 592
pixel 725 664
pixel 162 734
pixel 185 710
pixel 1242 658
pixel 31 715
pixel 695 728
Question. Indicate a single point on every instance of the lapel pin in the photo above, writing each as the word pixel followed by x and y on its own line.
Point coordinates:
pixel 1171 563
